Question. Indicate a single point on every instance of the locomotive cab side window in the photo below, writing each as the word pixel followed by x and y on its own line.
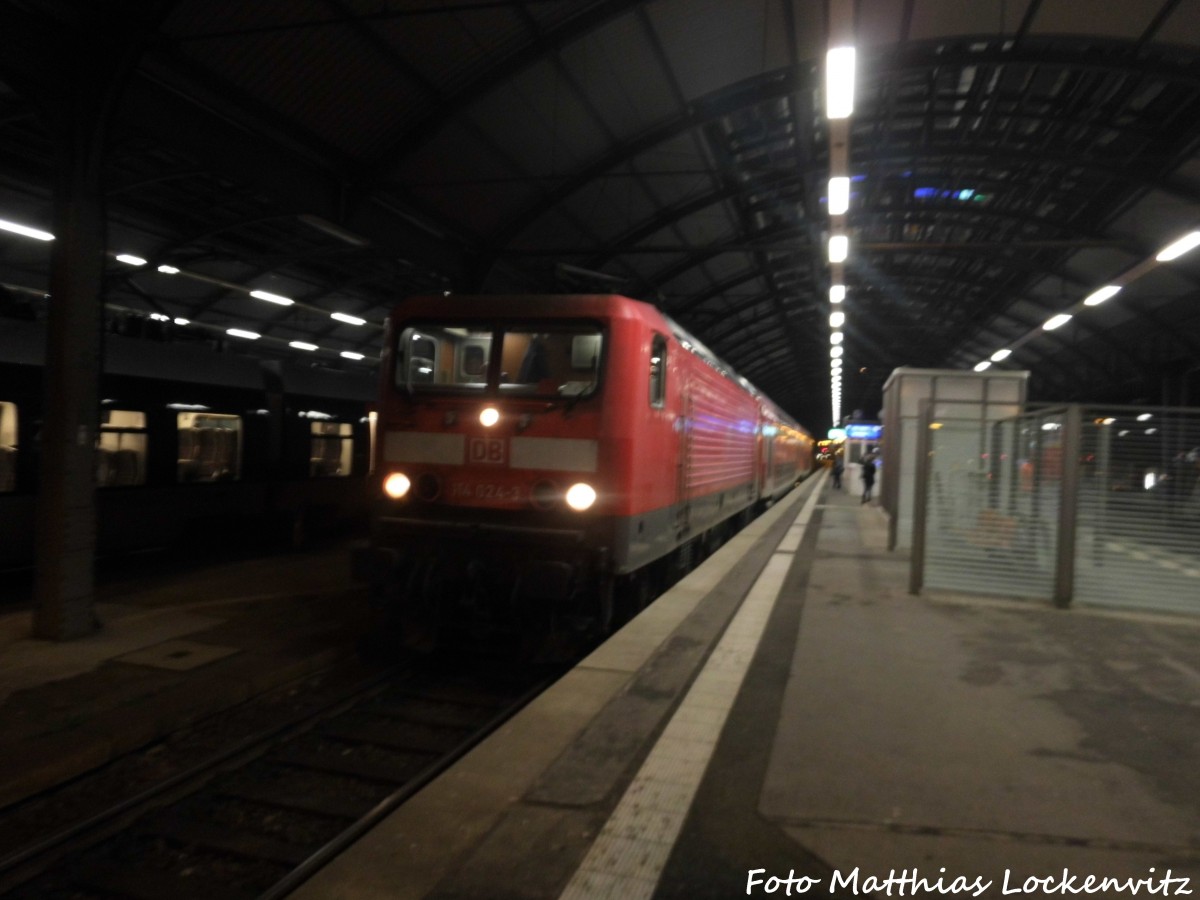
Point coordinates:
pixel 332 449
pixel 435 357
pixel 121 448
pixel 210 447
pixel 658 372
pixel 8 447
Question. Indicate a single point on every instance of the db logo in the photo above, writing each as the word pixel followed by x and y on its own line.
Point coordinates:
pixel 487 451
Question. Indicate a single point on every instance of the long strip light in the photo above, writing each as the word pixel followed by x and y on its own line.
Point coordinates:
pixel 272 298
pixel 839 82
pixel 1057 321
pixel 1185 244
pixel 1097 297
pixel 25 231
pixel 348 319
pixel 839 195
pixel 839 248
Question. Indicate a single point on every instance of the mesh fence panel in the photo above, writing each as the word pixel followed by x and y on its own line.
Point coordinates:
pixel 1138 541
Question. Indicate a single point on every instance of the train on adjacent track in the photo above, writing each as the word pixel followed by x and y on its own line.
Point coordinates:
pixel 547 463
pixel 195 448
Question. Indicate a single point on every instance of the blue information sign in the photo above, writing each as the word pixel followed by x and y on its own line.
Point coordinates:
pixel 864 432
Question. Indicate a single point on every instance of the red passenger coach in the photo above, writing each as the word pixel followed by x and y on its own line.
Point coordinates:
pixel 546 460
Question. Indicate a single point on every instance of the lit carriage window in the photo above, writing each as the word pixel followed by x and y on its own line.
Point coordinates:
pixel 433 357
pixel 8 447
pixel 558 363
pixel 658 372
pixel 332 449
pixel 210 447
pixel 121 448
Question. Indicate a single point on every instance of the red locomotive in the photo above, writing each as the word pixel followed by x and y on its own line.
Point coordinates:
pixel 548 462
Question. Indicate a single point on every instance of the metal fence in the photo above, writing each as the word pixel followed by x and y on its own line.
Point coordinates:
pixel 1073 504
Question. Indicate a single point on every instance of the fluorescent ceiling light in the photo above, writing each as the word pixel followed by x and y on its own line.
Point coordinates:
pixel 348 319
pixel 835 352
pixel 272 298
pixel 1097 297
pixel 1180 247
pixel 1001 355
pixel 836 337
pixel 839 82
pixel 350 354
pixel 303 345
pixel 980 366
pixel 836 319
pixel 1057 321
pixel 837 293
pixel 182 321
pixel 248 335
pixel 130 260
pixel 25 231
pixel 839 248
pixel 168 270
pixel 1145 417
pixel 839 195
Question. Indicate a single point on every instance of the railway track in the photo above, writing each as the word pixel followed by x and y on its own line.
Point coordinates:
pixel 257 818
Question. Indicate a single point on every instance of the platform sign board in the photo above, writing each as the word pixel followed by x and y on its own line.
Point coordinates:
pixel 864 432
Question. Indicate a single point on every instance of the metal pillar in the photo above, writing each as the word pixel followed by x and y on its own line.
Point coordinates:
pixel 1068 509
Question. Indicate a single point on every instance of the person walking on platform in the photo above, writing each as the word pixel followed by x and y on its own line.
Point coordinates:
pixel 836 470
pixel 868 476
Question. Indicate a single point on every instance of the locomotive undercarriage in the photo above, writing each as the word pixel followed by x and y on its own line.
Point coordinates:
pixel 518 588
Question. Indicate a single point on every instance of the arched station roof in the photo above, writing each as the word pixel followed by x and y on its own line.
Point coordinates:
pixel 1008 158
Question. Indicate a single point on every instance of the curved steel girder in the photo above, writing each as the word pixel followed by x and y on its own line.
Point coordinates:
pixel 772 85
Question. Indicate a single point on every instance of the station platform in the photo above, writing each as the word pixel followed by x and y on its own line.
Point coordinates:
pixel 787 720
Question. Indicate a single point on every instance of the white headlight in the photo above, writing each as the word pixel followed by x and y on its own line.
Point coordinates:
pixel 581 496
pixel 489 417
pixel 396 485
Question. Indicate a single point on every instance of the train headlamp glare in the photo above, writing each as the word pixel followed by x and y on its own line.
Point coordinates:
pixel 489 417
pixel 581 496
pixel 397 485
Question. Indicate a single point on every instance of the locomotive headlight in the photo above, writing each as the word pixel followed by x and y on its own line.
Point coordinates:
pixel 489 417
pixel 581 496
pixel 396 485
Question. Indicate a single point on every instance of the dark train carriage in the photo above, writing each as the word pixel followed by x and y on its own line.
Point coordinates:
pixel 538 452
pixel 193 446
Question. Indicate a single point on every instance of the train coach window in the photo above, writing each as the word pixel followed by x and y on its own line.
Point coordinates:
pixel 658 372
pixel 210 447
pixel 121 448
pixel 552 363
pixel 8 447
pixel 332 449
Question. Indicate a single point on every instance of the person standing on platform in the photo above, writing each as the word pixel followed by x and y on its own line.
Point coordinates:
pixel 868 475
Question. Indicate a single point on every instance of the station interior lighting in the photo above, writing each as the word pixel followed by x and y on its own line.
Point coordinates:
pixel 1057 321
pixel 350 354
pixel 837 293
pixel 980 366
pixel 839 248
pixel 1185 244
pixel 130 260
pixel 168 270
pixel 348 319
pixel 1097 297
pixel 836 337
pixel 239 332
pixel 303 345
pixel 272 298
pixel 839 82
pixel 836 319
pixel 25 230
pixel 1001 355
pixel 839 195
pixel 835 352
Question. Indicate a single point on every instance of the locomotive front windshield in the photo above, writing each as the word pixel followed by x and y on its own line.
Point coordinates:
pixel 525 360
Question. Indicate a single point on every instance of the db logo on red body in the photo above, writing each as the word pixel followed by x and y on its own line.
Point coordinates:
pixel 487 451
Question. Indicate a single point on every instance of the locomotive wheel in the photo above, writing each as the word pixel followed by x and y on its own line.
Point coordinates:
pixel 419 607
